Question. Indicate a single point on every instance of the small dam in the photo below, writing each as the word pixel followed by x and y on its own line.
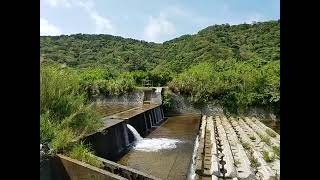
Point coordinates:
pixel 138 142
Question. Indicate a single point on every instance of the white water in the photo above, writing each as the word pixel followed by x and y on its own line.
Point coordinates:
pixel 192 172
pixel 135 133
pixel 152 144
pixel 158 89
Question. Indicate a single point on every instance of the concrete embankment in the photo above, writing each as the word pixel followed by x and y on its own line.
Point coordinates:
pixel 236 148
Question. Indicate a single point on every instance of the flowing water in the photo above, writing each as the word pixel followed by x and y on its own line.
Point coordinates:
pixel 192 172
pixel 167 152
pixel 135 133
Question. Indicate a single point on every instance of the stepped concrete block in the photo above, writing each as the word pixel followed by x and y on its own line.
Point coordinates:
pixel 261 131
pixel 243 166
pixel 264 127
pixel 231 171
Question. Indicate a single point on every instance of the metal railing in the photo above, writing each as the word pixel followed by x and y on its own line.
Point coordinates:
pixel 147 83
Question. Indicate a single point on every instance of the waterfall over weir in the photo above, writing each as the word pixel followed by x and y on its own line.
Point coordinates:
pixel 152 144
pixel 135 133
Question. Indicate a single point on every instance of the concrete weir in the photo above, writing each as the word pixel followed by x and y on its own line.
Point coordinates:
pixel 115 139
pixel 231 148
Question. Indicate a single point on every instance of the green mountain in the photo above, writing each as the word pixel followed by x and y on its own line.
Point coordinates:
pixel 244 42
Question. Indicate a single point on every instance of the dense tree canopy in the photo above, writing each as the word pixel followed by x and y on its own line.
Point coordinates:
pixel 245 42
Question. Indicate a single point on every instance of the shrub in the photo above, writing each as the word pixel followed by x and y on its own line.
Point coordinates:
pixel 235 84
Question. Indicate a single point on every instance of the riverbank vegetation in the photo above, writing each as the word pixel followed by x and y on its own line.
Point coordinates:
pixel 65 113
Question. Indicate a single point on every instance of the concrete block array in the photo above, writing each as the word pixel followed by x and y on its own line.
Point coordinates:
pixel 237 148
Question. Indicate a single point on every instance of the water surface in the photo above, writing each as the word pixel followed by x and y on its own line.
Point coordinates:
pixel 167 151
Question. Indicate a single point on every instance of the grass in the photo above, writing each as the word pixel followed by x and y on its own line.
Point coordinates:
pixel 276 150
pixel 246 146
pixel 272 134
pixel 265 139
pixel 253 161
pixel 267 157
pixel 82 152
pixel 65 113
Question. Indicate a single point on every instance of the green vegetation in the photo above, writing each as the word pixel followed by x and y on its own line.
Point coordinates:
pixel 236 85
pixel 265 139
pixel 82 153
pixel 267 157
pixel 238 65
pixel 276 150
pixel 246 146
pixel 271 133
pixel 253 161
pixel 64 111
pixel 167 101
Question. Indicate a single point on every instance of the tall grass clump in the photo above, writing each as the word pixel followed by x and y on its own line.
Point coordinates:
pixel 82 152
pixel 64 111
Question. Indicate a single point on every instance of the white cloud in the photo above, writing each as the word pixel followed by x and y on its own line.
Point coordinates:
pixel 55 3
pixel 87 5
pixel 161 25
pixel 102 24
pixel 48 29
pixel 158 26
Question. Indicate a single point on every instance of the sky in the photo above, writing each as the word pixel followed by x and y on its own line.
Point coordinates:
pixel 149 20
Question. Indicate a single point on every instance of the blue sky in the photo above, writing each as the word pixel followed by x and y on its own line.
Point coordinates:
pixel 149 20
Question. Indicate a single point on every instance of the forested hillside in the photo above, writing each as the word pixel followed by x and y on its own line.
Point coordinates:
pixel 245 42
pixel 238 65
